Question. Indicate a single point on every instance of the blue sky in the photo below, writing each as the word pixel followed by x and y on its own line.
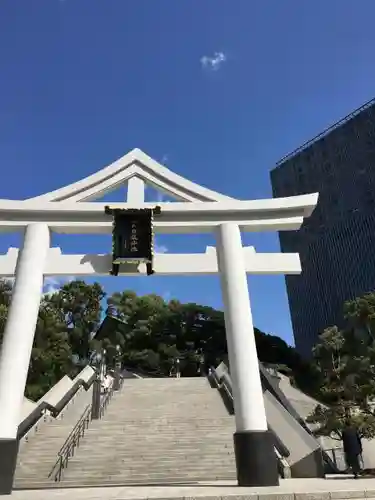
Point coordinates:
pixel 218 89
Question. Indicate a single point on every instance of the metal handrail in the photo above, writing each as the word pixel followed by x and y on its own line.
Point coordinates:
pixel 225 383
pixel 85 417
pixel 338 449
pixel 27 424
pixel 68 448
pixel 72 442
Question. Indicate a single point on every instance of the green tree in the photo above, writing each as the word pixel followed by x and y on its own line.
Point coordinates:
pixel 51 356
pixel 78 305
pixel 360 318
pixel 142 333
pixel 6 287
pixel 345 370
pixel 151 333
pixel 360 314
pixel 187 331
pixel 330 421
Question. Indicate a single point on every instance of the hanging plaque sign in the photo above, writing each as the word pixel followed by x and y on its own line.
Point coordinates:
pixel 132 235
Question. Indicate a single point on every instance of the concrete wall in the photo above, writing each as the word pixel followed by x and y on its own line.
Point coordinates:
pixel 56 393
pixel 305 455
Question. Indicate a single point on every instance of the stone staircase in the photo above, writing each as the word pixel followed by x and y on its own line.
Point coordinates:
pixel 38 454
pixel 157 431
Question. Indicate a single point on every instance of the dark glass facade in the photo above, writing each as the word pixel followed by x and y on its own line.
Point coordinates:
pixel 337 243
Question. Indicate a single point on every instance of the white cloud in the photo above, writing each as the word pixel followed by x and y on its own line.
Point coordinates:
pixel 159 196
pixel 160 249
pixel 53 284
pixel 214 62
pixel 50 286
pixel 164 159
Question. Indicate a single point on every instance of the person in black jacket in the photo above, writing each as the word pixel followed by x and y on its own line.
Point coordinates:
pixel 352 447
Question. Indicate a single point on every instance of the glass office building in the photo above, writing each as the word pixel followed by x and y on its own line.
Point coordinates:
pixel 337 243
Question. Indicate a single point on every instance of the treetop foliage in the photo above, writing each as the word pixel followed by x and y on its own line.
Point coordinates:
pixel 345 371
pixel 151 335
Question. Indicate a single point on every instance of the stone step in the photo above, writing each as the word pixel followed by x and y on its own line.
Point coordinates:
pixel 144 433
pixel 173 403
pixel 184 432
pixel 119 414
pixel 156 417
pixel 160 445
pixel 145 444
pixel 161 397
pixel 90 454
pixel 152 475
pixel 136 464
pixel 148 475
pixel 162 452
pixel 130 458
pixel 148 465
pixel 44 470
pixel 116 481
pixel 148 431
pixel 163 418
pixel 165 401
pixel 174 424
pixel 184 454
pixel 173 409
pixel 148 448
pixel 161 421
pixel 171 389
pixel 150 380
pixel 168 394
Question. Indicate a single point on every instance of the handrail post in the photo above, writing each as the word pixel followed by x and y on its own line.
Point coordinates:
pixel 116 381
pixel 96 391
pixel 95 411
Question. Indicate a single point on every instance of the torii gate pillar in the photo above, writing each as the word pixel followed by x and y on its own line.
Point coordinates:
pixel 18 342
pixel 253 443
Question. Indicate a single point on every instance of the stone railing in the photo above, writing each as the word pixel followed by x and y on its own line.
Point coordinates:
pixel 53 403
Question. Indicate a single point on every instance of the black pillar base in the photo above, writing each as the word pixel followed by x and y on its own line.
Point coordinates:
pixel 256 459
pixel 8 461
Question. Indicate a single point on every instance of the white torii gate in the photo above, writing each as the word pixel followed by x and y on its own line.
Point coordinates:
pixel 72 209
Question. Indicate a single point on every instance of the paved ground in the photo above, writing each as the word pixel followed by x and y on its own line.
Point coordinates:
pixel 332 488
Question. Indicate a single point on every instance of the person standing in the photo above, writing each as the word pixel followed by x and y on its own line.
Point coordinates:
pixel 352 444
pixel 175 370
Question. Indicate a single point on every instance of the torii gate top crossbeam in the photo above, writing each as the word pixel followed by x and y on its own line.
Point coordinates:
pixel 258 215
pixel 71 209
